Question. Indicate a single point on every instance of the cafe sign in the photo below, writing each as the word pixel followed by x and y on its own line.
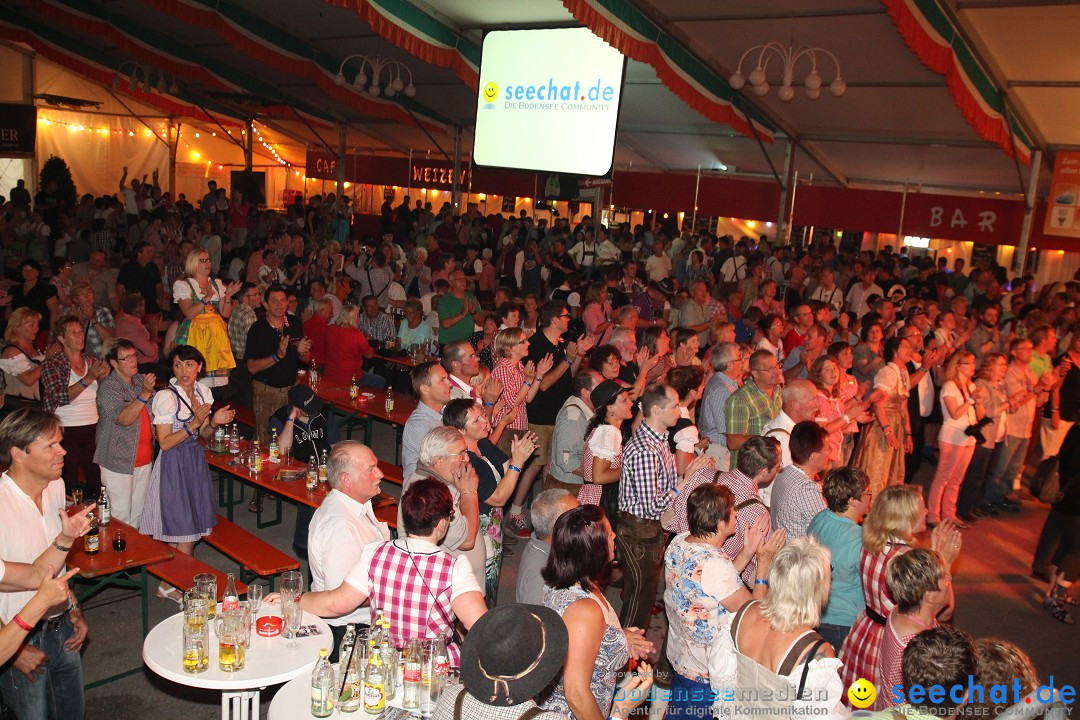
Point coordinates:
pixel 1063 208
pixel 18 130
pixel 381 170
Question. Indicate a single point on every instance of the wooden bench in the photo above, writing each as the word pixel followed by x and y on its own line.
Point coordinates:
pixel 392 473
pixel 182 569
pixel 257 558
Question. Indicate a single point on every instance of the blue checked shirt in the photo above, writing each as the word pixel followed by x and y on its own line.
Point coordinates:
pixel 648 474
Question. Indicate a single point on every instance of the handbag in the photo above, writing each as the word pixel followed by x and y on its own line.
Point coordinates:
pixel 1046 484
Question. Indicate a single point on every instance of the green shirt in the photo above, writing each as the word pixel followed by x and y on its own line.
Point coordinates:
pixel 451 306
pixel 1040 363
pixel 844 540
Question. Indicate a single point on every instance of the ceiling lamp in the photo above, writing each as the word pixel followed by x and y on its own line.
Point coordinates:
pixel 375 83
pixel 142 77
pixel 788 57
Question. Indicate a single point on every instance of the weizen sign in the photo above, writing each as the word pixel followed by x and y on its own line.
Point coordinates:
pixel 18 130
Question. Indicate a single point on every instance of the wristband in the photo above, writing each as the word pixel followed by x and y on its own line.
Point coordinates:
pixel 144 402
pixel 487 404
pixel 569 362
pixel 288 419
pixel 526 383
pixel 22 623
pixel 276 358
pixel 60 547
pixel 759 581
pixel 515 467
pixel 467 492
pixel 83 383
pixel 191 433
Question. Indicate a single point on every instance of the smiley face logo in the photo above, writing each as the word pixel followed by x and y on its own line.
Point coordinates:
pixel 862 693
pixel 491 91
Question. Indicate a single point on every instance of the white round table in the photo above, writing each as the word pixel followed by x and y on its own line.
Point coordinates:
pixel 268 661
pixel 292 701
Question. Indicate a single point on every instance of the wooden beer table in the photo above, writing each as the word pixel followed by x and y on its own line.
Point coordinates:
pixel 125 569
pixel 370 404
pixel 269 661
pixel 228 470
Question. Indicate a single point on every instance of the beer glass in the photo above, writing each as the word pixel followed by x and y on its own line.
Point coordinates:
pixel 232 628
pixel 291 614
pixel 196 634
pixel 206 583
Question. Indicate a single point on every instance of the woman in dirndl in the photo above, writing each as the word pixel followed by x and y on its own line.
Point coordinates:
pixel 888 436
pixel 180 507
pixel 601 456
pixel 206 305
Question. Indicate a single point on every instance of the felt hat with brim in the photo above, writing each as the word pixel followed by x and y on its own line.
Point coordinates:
pixel 512 653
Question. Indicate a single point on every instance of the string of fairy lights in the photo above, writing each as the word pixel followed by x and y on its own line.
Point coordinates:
pixel 194 153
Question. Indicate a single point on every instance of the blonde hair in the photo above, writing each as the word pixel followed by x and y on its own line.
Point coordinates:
pixel 191 262
pixel 506 340
pixel 893 515
pixel 998 662
pixel 952 368
pixel 909 576
pixel 801 564
pixel 18 317
pixel 78 287
pixel 987 364
pixel 348 316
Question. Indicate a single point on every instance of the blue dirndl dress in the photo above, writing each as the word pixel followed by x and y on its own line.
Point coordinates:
pixel 180 503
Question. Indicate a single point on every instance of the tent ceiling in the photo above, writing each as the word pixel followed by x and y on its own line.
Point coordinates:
pixel 897 123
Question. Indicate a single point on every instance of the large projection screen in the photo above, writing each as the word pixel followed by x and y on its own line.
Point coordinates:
pixel 548 100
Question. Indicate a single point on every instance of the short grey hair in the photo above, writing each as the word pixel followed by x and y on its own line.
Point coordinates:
pixel 722 355
pixel 620 335
pixel 438 442
pixel 546 509
pixel 342 460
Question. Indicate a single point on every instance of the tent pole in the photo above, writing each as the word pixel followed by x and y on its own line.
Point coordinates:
pixel 30 174
pixel 1019 259
pixel 903 209
pixel 343 139
pixel 455 195
pixel 249 144
pixel 697 186
pixel 783 229
pixel 174 146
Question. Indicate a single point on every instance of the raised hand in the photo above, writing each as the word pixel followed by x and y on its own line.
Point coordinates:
pixel 529 371
pixel 545 364
pixel 224 416
pixel 100 369
pixel 641 356
pixel 586 343
pixel 757 534
pixel 522 448
pixel 76 524
pixel 947 541
pixel 149 381
pixel 202 411
pixel 490 389
pixel 770 547
pixel 303 346
pixel 465 479
pixel 699 462
pixel 54 590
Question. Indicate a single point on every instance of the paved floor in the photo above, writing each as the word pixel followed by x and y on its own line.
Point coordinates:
pixel 996 597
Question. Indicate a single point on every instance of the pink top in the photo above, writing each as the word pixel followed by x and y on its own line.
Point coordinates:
pixel 890 655
pixel 829 409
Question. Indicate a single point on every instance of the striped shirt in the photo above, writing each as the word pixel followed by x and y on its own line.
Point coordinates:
pixel 240 321
pixel 116 444
pixel 648 474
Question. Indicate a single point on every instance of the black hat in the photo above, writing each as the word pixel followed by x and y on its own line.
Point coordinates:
pixel 302 398
pixel 667 286
pixel 605 392
pixel 512 652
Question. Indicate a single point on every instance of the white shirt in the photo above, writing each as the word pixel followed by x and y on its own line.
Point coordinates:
pixel 83 409
pixel 339 530
pixel 783 425
pixel 462 579
pixel 25 533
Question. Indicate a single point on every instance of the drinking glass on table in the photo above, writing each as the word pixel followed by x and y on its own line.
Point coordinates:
pixel 291 613
pixel 76 498
pixel 206 583
pixel 255 593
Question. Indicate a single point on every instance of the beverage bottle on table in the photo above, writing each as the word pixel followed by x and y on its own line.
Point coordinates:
pixel 104 509
pixel 353 389
pixel 312 474
pixel 230 599
pixel 322 687
pixel 374 686
pixel 258 457
pixel 389 400
pixel 234 440
pixel 412 675
pixel 347 642
pixel 322 468
pixel 352 694
pixel 440 662
pixel 92 538
pixel 219 438
pixel 376 631
pixel 388 659
pixel 275 455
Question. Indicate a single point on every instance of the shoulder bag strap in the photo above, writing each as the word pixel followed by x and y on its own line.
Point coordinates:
pixel 806 667
pixel 737 622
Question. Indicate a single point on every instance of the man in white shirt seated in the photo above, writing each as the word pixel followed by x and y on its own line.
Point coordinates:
pixel 799 404
pixel 343 525
pixel 45 678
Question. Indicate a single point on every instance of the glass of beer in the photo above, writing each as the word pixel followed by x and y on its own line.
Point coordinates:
pixel 206 583
pixel 196 632
pixel 232 638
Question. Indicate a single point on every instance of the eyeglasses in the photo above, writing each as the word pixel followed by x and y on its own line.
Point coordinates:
pixel 132 356
pixel 462 454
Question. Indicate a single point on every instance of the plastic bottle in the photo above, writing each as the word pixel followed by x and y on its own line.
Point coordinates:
pixel 322 687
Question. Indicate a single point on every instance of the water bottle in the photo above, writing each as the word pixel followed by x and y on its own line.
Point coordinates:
pixel 374 686
pixel 388 659
pixel 322 468
pixel 234 440
pixel 322 687
pixel 389 400
pixel 347 643
pixel 352 693
pixel 275 455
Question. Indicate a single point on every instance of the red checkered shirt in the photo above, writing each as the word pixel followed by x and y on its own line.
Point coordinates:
pixel 511 376
pixel 414 589
pixel 860 651
pixel 744 489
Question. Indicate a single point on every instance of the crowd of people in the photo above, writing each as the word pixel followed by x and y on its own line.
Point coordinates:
pixel 737 422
